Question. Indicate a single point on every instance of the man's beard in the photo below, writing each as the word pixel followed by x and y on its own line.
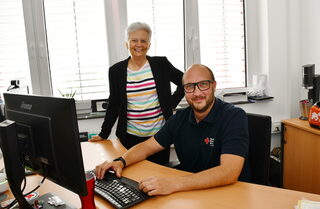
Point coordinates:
pixel 204 108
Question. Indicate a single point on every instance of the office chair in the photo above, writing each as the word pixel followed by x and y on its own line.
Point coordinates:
pixel 259 150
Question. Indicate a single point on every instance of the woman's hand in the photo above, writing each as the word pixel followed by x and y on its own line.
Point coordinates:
pixel 95 138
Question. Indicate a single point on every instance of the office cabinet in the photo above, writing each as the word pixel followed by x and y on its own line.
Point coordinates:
pixel 301 156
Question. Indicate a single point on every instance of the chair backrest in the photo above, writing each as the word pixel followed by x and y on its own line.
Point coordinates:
pixel 259 150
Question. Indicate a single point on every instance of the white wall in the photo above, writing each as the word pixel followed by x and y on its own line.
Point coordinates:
pixel 267 54
pixel 310 32
pixel 282 36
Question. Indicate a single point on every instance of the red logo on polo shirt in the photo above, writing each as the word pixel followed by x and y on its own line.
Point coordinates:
pixel 209 141
pixel 206 140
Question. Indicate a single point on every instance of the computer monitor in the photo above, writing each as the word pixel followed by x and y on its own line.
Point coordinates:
pixel 41 133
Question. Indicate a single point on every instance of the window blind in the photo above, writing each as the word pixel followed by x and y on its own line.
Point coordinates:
pixel 165 17
pixel 14 64
pixel 222 43
pixel 77 41
pixel 77 47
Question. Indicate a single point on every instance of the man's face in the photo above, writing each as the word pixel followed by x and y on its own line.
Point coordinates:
pixel 200 100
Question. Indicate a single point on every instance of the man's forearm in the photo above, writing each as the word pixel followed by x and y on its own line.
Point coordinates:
pixel 226 173
pixel 141 151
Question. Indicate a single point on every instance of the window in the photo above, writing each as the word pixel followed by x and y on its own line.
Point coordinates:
pixel 73 42
pixel 221 27
pixel 218 27
pixel 14 63
pixel 77 47
pixel 166 23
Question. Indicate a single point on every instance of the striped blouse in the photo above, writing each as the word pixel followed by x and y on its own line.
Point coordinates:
pixel 144 114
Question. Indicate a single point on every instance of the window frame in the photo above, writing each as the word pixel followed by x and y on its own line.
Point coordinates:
pixel 116 22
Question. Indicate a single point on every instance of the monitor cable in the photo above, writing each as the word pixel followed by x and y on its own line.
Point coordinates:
pixel 22 190
pixel 15 200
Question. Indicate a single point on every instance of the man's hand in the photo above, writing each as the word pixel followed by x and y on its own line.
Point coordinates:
pixel 102 168
pixel 95 138
pixel 158 186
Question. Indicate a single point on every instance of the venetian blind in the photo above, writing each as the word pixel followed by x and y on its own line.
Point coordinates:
pixel 14 63
pixel 77 47
pixel 165 17
pixel 222 40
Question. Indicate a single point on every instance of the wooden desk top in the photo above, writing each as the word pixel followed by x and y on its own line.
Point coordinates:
pixel 237 196
pixel 302 124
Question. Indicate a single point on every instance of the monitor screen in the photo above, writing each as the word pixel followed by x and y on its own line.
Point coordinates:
pixel 47 139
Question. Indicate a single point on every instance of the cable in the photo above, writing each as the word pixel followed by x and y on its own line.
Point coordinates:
pixel 24 183
pixel 15 200
pixel 23 188
pixel 37 187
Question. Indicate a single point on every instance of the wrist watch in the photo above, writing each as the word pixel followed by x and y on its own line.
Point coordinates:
pixel 122 160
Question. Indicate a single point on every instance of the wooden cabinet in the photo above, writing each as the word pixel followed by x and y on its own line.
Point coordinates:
pixel 301 156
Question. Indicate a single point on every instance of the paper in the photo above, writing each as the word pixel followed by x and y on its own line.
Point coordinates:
pixel 308 204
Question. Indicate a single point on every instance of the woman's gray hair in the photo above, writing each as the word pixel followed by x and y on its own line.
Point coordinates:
pixel 138 26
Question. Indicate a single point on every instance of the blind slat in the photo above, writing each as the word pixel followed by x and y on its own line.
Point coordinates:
pixel 14 64
pixel 222 41
pixel 77 44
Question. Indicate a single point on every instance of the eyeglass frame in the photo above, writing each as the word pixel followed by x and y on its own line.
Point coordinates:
pixel 197 85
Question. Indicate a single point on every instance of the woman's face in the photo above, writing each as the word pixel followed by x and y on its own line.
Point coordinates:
pixel 138 43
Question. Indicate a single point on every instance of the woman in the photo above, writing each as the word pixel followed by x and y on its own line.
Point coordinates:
pixel 140 93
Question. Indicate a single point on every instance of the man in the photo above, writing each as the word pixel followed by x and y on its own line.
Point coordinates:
pixel 210 138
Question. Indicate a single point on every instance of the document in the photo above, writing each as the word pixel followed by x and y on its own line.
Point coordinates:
pixel 308 204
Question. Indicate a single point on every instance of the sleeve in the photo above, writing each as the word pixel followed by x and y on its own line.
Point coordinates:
pixel 112 111
pixel 236 134
pixel 165 135
pixel 176 78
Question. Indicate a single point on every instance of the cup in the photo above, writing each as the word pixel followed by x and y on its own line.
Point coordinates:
pixel 87 202
pixel 305 106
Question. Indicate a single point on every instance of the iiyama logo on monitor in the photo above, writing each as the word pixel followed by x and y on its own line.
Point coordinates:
pixel 25 106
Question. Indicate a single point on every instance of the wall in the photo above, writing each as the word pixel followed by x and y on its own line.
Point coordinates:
pixel 267 54
pixel 282 36
pixel 310 33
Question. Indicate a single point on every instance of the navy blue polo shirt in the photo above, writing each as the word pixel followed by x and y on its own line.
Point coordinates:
pixel 199 145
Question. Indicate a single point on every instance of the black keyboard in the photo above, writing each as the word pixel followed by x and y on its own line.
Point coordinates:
pixel 120 192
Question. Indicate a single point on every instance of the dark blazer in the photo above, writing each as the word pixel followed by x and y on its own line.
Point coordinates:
pixel 163 72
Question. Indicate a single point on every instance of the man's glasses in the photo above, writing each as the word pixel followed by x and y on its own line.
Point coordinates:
pixel 202 85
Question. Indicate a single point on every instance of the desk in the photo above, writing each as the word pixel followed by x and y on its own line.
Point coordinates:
pixel 237 196
pixel 301 156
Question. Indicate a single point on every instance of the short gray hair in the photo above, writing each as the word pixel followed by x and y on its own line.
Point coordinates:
pixel 138 26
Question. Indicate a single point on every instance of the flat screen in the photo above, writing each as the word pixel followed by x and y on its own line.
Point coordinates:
pixel 48 138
